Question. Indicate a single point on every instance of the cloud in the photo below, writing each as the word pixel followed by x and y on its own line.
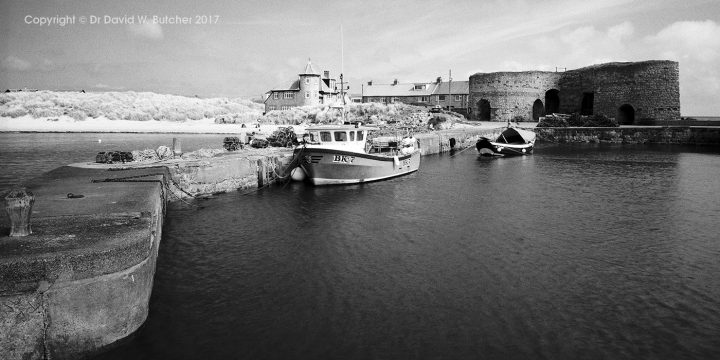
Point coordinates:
pixel 696 40
pixel 14 63
pixel 621 31
pixel 696 46
pixel 47 65
pixel 148 30
pixel 102 86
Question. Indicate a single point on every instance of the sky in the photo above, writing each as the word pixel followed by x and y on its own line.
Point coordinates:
pixel 234 48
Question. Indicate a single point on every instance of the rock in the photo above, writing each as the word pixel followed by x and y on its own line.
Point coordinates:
pixel 164 152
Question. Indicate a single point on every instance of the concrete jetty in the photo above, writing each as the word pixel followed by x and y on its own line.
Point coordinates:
pixel 83 278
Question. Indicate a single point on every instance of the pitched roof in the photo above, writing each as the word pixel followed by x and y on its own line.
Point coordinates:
pixel 457 87
pixel 405 89
pixel 309 70
pixel 293 87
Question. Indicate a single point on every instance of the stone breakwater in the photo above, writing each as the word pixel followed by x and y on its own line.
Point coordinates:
pixel 632 135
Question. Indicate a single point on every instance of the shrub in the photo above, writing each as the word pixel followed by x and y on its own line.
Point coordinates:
pixel 601 120
pixel 552 121
pixel 14 112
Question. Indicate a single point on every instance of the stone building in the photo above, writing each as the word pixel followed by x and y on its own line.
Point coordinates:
pixel 310 88
pixel 632 92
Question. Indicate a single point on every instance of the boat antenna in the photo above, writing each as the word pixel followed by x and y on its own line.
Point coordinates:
pixel 342 66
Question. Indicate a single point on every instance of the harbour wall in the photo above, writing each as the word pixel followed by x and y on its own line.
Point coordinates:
pixel 632 135
pixel 82 279
pixel 453 139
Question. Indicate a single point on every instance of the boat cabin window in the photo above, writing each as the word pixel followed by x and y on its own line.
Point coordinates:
pixel 340 136
pixel 352 136
pixel 325 136
pixel 360 135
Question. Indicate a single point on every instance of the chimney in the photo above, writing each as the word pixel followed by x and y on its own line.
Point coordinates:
pixel 438 80
pixel 326 74
pixel 370 83
pixel 395 82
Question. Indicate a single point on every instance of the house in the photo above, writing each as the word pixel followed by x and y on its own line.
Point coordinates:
pixel 409 93
pixel 451 95
pixel 310 88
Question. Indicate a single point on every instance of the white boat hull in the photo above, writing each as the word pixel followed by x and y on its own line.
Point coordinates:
pixel 334 167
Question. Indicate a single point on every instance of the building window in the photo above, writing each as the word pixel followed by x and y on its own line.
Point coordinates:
pixel 276 96
pixel 441 97
pixel 289 95
pixel 307 94
pixel 271 107
pixel 285 107
pixel 424 98
pixel 307 80
pixel 458 97
pixel 419 87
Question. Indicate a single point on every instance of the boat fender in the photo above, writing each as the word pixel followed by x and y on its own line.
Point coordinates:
pixel 298 174
pixel 74 196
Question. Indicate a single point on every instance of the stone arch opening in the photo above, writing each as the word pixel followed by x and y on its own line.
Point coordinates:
pixel 484 109
pixel 452 143
pixel 552 101
pixel 538 110
pixel 626 115
pixel 586 108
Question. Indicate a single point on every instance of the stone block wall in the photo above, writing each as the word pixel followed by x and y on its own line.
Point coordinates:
pixel 509 94
pixel 633 93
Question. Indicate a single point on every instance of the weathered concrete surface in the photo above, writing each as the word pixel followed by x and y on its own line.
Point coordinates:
pixel 633 135
pixel 82 279
pixel 231 171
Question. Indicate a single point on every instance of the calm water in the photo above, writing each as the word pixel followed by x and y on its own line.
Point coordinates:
pixel 26 155
pixel 576 252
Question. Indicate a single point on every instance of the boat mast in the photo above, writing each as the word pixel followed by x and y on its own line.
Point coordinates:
pixel 342 67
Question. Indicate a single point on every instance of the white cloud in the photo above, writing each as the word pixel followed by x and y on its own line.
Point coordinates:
pixel 148 30
pixel 621 31
pixel 14 63
pixel 696 46
pixel 102 86
pixel 696 40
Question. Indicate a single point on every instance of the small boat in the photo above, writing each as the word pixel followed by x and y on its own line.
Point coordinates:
pixel 512 141
pixel 340 154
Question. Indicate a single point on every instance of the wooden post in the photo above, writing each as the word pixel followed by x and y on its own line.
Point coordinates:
pixel 18 205
pixel 176 147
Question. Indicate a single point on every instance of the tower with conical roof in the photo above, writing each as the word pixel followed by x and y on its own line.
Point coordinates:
pixel 309 86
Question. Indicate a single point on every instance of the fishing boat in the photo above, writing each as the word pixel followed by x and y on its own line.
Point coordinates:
pixel 512 141
pixel 341 154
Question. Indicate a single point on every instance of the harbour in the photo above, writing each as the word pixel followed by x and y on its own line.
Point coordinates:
pixel 441 263
pixel 496 259
pixel 329 180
